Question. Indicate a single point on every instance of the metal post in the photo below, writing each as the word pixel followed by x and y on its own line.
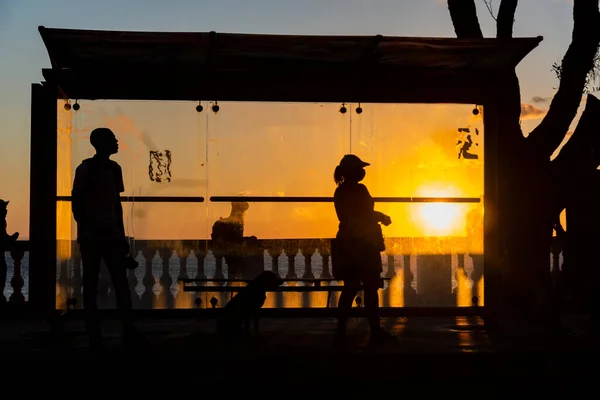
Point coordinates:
pixel 42 205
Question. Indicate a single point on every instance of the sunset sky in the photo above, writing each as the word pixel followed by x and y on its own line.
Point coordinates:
pixel 282 149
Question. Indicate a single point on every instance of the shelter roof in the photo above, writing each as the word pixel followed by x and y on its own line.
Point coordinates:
pixel 92 64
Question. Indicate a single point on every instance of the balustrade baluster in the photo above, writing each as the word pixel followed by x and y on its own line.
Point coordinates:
pixel 325 251
pixel 410 294
pixel 132 281
pixel 63 284
pixel 460 269
pixel 17 298
pixel 477 273
pixel 200 273
pixel 148 297
pixel 76 279
pixel 166 297
pixel 291 253
pixel 308 253
pixel 308 274
pixel 183 298
pixel 3 301
pixel 391 265
pixel 461 277
pixel 218 264
pixel 274 253
pixel 201 256
pixel 555 267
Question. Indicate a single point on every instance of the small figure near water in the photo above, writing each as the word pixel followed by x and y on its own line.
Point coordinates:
pixel 228 240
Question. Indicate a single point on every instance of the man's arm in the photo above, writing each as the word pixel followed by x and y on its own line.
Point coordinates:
pixel 118 205
pixel 77 198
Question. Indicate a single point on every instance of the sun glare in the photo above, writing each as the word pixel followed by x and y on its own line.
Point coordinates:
pixel 440 219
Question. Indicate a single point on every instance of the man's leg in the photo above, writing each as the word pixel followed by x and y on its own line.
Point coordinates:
pixel 90 256
pixel 113 258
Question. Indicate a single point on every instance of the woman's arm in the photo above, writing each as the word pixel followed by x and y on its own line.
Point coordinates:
pixel 381 217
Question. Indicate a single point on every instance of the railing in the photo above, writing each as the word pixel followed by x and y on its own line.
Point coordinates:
pixel 162 263
pixel 423 272
pixel 15 287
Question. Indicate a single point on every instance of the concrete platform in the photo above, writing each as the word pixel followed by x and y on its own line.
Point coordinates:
pixel 297 350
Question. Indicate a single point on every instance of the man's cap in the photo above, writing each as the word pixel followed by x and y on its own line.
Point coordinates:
pixel 352 161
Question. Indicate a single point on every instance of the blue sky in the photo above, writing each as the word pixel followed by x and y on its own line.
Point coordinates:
pixel 22 54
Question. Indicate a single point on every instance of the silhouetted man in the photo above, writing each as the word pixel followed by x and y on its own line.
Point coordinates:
pixel 100 232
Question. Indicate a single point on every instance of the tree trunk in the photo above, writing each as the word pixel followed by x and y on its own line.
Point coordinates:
pixel 506 18
pixel 577 177
pixel 528 200
pixel 577 62
pixel 464 18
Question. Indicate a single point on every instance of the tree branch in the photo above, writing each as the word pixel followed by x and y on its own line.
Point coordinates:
pixel 576 64
pixel 506 19
pixel 488 5
pixel 583 148
pixel 464 19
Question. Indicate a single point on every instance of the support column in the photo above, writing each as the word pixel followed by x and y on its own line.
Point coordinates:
pixel 491 230
pixel 42 205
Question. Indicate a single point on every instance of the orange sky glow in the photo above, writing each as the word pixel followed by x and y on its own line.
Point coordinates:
pixel 278 149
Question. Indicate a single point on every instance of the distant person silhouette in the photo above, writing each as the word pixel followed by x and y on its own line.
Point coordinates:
pixel 228 239
pixel 356 254
pixel 98 212
pixel 6 242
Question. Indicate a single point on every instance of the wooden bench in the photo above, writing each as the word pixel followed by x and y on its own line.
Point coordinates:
pixel 224 285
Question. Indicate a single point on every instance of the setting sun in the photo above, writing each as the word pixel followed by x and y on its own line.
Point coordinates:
pixel 440 219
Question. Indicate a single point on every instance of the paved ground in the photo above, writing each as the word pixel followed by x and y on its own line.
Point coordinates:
pixel 301 351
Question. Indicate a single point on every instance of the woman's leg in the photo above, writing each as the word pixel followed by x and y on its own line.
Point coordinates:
pixel 371 281
pixel 347 296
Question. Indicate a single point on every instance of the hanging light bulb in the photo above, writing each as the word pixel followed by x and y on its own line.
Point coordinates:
pixel 199 107
pixel 76 106
pixel 476 110
pixel 343 108
pixel 359 109
pixel 67 105
pixel 215 107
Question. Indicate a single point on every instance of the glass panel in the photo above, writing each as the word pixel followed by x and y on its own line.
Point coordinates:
pixel 414 149
pixel 284 149
pixel 161 145
pixel 275 149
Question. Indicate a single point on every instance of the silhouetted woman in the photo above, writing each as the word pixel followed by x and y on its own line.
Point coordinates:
pixel 356 253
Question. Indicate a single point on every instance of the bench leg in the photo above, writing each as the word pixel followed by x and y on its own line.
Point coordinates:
pixel 328 298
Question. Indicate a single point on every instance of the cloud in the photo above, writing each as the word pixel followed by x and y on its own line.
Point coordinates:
pixel 540 99
pixel 529 111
